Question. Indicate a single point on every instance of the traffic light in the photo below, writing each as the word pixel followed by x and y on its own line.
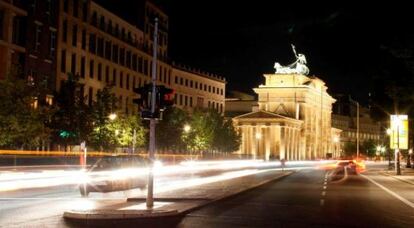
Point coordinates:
pixel 166 96
pixel 144 99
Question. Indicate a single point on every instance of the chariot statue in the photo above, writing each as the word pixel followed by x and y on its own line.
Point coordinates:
pixel 297 67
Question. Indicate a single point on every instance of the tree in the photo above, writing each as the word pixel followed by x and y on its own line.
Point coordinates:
pixel 22 119
pixel 102 137
pixel 123 128
pixel 72 122
pixel 170 129
pixel 369 148
pixel 349 149
pixel 211 131
pixel 227 139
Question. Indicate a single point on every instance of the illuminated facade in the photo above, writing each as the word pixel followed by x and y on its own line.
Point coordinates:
pixel 292 120
pixel 104 49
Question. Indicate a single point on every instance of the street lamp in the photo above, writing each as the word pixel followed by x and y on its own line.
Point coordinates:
pixel 187 128
pixel 112 116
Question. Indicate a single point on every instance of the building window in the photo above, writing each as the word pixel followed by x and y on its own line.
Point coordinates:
pixel 146 67
pixel 99 71
pixel 134 62
pixel 176 80
pixel 196 85
pixel 91 68
pixel 134 82
pixel 181 99
pixel 114 77
pixel 108 51
pixel 52 44
pixel 107 74
pixel 92 43
pixel 37 37
pixel 140 68
pixel 83 63
pixel 186 82
pixel 1 23
pixel 102 23
pixel 181 81
pixel 73 67
pixel 191 83
pixel 75 35
pixel 85 10
pixel 127 81
pixel 115 54
pixel 84 39
pixel 128 59
pixel 65 31
pixel 65 5
pixel 121 79
pixel 209 89
pixel 122 56
pixel 100 50
pixel 75 8
pixel 63 62
pixel 191 101
pixel 185 101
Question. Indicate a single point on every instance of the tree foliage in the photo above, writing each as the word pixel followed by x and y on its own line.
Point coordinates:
pixel 22 120
pixel 72 122
pixel 170 129
pixel 109 134
pixel 210 131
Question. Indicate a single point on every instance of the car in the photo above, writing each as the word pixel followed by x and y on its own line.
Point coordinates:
pixel 351 165
pixel 115 173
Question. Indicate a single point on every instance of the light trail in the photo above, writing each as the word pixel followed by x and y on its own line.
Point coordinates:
pixel 51 178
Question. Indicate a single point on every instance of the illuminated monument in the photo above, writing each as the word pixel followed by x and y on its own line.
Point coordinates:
pixel 293 117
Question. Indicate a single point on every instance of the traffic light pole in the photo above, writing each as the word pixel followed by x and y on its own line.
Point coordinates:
pixel 151 152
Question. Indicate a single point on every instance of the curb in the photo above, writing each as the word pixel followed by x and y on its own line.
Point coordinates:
pixel 108 215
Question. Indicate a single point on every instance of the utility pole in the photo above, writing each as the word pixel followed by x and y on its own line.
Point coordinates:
pixel 397 151
pixel 357 130
pixel 151 152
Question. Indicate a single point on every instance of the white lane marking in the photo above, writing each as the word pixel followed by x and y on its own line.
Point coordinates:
pixel 408 203
pixel 323 193
pixel 325 183
pixel 324 187
pixel 322 202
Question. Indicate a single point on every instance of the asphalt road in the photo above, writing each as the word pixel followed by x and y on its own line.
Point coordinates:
pixel 304 200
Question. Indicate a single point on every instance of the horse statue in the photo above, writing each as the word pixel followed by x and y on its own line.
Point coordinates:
pixel 297 67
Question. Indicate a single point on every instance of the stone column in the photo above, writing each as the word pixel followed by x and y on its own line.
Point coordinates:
pixel 267 142
pixel 282 141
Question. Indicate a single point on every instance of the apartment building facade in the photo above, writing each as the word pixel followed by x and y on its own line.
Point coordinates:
pixel 103 49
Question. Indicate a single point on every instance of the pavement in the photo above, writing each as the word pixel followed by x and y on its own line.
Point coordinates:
pixel 169 205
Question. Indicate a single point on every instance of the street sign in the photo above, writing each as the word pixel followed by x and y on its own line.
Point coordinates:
pixel 399 132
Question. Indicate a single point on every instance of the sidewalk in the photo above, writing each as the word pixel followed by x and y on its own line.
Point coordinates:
pixel 407 175
pixel 171 204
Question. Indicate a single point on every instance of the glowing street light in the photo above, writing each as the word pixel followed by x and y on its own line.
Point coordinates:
pixel 258 135
pixel 112 116
pixel 187 128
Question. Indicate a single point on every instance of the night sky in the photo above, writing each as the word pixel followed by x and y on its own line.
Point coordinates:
pixel 355 48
